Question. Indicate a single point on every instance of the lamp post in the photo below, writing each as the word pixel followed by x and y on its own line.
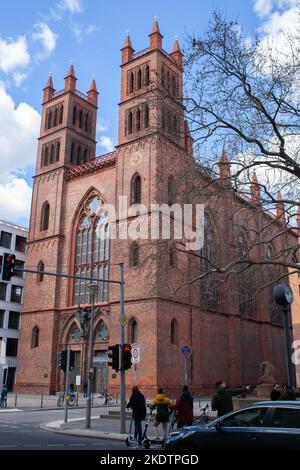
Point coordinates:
pixel 284 296
pixel 93 288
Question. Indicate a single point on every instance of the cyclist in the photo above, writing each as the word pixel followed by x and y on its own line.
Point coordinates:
pixel 184 406
pixel 71 391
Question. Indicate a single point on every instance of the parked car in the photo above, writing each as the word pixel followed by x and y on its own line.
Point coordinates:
pixel 264 425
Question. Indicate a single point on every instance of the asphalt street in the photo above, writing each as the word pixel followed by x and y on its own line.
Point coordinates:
pixel 20 430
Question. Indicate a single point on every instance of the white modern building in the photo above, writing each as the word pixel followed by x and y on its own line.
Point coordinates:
pixel 12 240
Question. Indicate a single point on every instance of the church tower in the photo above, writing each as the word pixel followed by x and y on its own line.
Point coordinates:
pixel 67 139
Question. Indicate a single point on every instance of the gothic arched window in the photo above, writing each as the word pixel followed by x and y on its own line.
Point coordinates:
pixel 174 332
pixel 85 155
pixel 81 119
pixel 129 127
pixel 91 252
pixel 138 119
pixel 139 79
pixel 45 216
pixel 41 268
pixel 79 155
pixel 245 280
pixel 55 117
pixel 61 114
pixel 133 331
pixel 174 86
pixel 35 337
pixel 136 189
pixel 72 153
pixel 146 116
pixel 163 77
pixel 208 291
pixel 46 156
pixel 57 151
pixel 131 83
pixel 74 115
pixel 147 75
pixel 52 153
pixel 86 122
pixel 134 255
pixel 49 123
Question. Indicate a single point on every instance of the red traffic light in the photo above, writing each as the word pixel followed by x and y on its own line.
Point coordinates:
pixel 127 348
pixel 8 266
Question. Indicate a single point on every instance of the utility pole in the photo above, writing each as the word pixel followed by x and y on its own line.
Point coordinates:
pixel 93 288
pixel 67 385
pixel 123 321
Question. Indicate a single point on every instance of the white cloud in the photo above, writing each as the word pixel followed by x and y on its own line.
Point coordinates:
pixel 101 126
pixel 77 31
pixel 46 37
pixel 263 7
pixel 91 29
pixel 107 143
pixel 13 54
pixel 74 6
pixel 19 77
pixel 15 197
pixel 19 129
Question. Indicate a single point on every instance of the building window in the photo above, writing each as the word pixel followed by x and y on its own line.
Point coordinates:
pixel 52 153
pixel 134 255
pixel 16 294
pixel 78 155
pixel 41 268
pixel 72 153
pixel 138 119
pixel 57 151
pixel 55 117
pixel 174 332
pixel 129 127
pixel 131 83
pixel 49 121
pixel 81 119
pixel 5 239
pixel 92 252
pixel 136 189
pixel 146 116
pixel 46 156
pixel 172 256
pixel 3 288
pixel 20 244
pixel 61 114
pixel 14 320
pixel 19 264
pixel 163 77
pixel 12 347
pixel 139 79
pixel 133 331
pixel 45 216
pixel 2 313
pixel 35 337
pixel 208 291
pixel 147 75
pixel 74 115
pixel 86 122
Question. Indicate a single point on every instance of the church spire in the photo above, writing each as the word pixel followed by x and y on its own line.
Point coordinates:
pixel 255 190
pixel 127 49
pixel 70 79
pixel 155 36
pixel 176 54
pixel 49 89
pixel 280 211
pixel 93 93
pixel 224 165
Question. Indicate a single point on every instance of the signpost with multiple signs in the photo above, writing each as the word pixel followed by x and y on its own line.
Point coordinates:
pixel 186 351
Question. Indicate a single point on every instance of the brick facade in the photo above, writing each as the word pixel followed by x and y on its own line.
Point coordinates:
pixel 225 345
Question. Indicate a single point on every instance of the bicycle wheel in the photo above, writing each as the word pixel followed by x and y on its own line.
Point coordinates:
pixel 61 400
pixel 72 401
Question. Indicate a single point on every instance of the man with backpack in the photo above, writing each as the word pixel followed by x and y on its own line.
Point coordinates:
pixel 162 404
pixel 184 407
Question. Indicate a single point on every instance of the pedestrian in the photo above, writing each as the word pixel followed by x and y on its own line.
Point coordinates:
pixel 289 393
pixel 85 386
pixel 184 407
pixel 222 400
pixel 72 391
pixel 162 404
pixel 137 403
pixel 276 393
pixel 3 396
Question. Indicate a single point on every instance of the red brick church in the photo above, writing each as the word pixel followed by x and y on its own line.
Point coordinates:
pixel 229 339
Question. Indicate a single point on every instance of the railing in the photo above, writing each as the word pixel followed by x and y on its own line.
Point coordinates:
pixel 39 401
pixel 81 95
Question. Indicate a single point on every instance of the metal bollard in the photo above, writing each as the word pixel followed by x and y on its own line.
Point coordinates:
pixel 77 399
pixel 16 400
pixel 42 400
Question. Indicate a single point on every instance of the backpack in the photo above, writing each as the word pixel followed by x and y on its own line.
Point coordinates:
pixel 162 413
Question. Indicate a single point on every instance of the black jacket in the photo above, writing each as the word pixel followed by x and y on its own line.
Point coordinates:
pixel 222 401
pixel 275 395
pixel 138 404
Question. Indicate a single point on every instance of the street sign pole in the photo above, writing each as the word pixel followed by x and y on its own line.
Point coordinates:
pixel 122 338
pixel 67 386
pixel 135 374
pixel 185 370
pixel 90 362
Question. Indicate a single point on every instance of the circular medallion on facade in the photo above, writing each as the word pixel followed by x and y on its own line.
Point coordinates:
pixel 136 158
pixel 103 332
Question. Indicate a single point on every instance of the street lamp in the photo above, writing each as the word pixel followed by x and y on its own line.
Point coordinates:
pixel 284 296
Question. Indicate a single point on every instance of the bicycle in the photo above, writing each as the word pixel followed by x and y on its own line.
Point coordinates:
pixel 66 396
pixel 203 418
pixel 107 396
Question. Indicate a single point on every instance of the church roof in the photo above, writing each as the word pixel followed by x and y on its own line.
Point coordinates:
pixel 92 166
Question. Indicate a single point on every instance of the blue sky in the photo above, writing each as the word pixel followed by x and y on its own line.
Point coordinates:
pixel 41 37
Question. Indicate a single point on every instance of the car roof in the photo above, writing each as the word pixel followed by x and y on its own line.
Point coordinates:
pixel 289 403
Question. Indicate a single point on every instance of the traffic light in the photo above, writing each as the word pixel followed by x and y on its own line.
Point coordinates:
pixel 8 265
pixel 114 356
pixel 62 361
pixel 126 357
